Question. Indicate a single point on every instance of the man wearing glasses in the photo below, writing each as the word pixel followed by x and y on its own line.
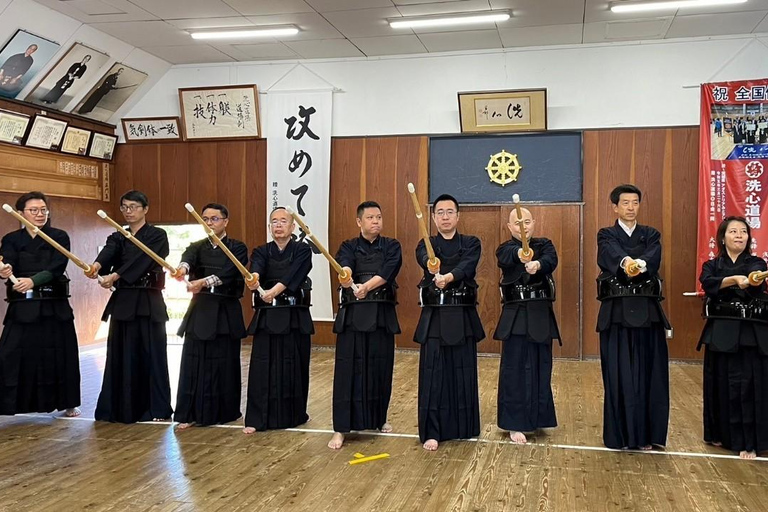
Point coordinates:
pixel 448 330
pixel 278 379
pixel 39 366
pixel 365 326
pixel 136 385
pixel 209 379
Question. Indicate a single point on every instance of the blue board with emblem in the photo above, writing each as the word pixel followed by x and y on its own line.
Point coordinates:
pixel 541 167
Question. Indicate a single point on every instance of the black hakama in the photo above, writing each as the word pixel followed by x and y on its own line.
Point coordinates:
pixel 210 381
pixel 448 399
pixel 278 378
pixel 136 385
pixel 39 360
pixel 365 341
pixel 735 363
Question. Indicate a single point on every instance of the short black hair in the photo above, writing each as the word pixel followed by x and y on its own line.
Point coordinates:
pixel 21 202
pixel 366 204
pixel 445 197
pixel 625 189
pixel 723 227
pixel 135 195
pixel 217 206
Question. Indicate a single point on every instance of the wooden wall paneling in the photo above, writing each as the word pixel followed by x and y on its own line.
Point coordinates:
pixel 146 178
pixel 174 178
pixel 411 167
pixel 254 198
pixel 122 175
pixel 203 172
pixel 590 306
pixel 230 182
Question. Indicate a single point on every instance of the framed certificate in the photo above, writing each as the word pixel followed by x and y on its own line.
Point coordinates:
pixel 75 141
pixel 13 126
pixel 46 133
pixel 102 146
pixel 503 111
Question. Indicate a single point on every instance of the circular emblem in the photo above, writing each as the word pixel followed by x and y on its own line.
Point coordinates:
pixel 754 169
pixel 503 168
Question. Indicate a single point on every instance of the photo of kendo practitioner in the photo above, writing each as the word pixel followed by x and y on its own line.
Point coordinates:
pixel 110 92
pixel 21 59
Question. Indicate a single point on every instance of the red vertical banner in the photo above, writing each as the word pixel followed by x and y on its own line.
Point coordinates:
pixel 733 161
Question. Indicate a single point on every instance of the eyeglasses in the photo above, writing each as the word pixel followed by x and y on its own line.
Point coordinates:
pixel 130 207
pixel 213 219
pixel 280 222
pixel 37 211
pixel 445 213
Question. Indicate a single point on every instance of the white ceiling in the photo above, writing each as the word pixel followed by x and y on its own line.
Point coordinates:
pixel 358 28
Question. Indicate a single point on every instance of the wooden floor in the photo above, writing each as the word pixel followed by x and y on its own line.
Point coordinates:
pixel 50 463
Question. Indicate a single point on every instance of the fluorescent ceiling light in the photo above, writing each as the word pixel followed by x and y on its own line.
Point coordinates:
pixel 246 33
pixel 669 4
pixel 447 21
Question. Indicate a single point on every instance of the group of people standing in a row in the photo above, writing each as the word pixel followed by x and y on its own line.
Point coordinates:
pixel 39 356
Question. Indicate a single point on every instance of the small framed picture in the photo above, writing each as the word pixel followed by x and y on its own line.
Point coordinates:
pixel 102 146
pixel 75 141
pixel 46 133
pixel 13 126
pixel 154 129
pixel 503 111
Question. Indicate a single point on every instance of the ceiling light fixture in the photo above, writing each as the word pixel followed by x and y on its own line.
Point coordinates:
pixel 669 4
pixel 246 33
pixel 447 21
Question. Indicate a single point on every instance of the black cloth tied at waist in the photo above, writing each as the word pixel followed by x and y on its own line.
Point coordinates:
pixel 735 308
pixel 233 290
pixel 460 294
pixel 53 290
pixel 611 286
pixel 300 298
pixel 153 280
pixel 384 293
pixel 516 292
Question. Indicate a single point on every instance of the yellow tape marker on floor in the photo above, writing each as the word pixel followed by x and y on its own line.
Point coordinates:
pixel 368 459
pixel 358 455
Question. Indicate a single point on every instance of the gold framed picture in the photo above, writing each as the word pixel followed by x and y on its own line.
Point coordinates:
pixel 75 141
pixel 503 111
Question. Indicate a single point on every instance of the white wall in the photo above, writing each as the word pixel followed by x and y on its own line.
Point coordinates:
pixel 45 22
pixel 629 84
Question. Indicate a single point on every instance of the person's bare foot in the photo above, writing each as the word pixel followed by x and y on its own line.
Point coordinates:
pixel 716 443
pixel 74 412
pixel 646 448
pixel 159 419
pixel 430 445
pixel 337 441
pixel 744 454
pixel 249 430
pixel 517 437
pixel 185 426
pixel 386 428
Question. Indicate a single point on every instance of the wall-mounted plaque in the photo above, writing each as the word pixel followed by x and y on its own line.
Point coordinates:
pixel 503 111
pixel 102 146
pixel 75 141
pixel 13 126
pixel 46 133
pixel 225 112
pixel 154 129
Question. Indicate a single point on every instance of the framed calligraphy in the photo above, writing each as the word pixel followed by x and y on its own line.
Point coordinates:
pixel 75 141
pixel 223 112
pixel 13 126
pixel 503 111
pixel 102 146
pixel 46 133
pixel 155 129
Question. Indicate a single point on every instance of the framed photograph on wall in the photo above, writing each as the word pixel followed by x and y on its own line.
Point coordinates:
pixel 22 57
pixel 66 79
pixel 110 92
pixel 102 146
pixel 46 133
pixel 153 129
pixel 224 112
pixel 503 111
pixel 13 126
pixel 75 141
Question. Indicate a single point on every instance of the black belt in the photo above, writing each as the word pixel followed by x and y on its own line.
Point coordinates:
pixel 755 309
pixel 58 290
pixel 230 291
pixel 152 280
pixel 513 292
pixel 384 293
pixel 461 295
pixel 302 298
pixel 613 287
